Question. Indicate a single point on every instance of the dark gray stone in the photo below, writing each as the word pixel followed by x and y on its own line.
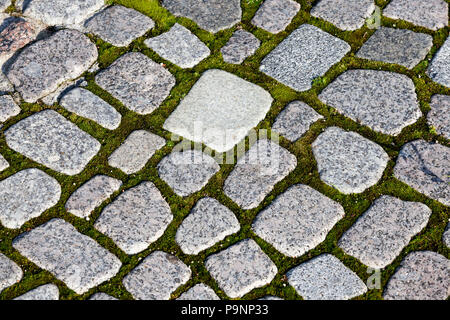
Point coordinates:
pixel 10 272
pixel 439 69
pixel 439 116
pixel 275 15
pixel 8 108
pixel 44 292
pixel 199 292
pixel 241 45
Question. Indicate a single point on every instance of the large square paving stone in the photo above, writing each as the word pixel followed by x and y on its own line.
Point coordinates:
pixel 199 292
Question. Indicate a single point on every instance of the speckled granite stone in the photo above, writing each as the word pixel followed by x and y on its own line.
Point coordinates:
pixel 5 85
pixel 439 69
pixel 10 272
pixel 199 292
pixel 3 163
pixel 4 4
pixel 8 108
pixel 439 116
pixel 275 15
pixel 102 296
pixel 241 45
pixel 15 33
pixel 44 292
pixel 446 236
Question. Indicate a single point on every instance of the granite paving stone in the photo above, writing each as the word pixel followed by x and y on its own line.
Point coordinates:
pixel 439 69
pixel 3 163
pixel 8 108
pixel 4 4
pixel 15 33
pixel 199 292
pixel 270 298
pixel 241 45
pixel 446 236
pixel 44 292
pixel 5 85
pixel 439 116
pixel 10 272
pixel 101 296
pixel 275 15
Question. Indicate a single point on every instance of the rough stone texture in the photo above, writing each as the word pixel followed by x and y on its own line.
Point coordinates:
pixel 439 69
pixel 3 163
pixel 10 272
pixel 86 104
pixel 5 85
pixel 180 46
pixel 325 278
pixel 208 223
pixel 344 14
pixel 348 161
pixel 307 53
pixel 382 232
pixel 4 4
pixel 422 275
pixel 257 172
pixel 137 81
pixel 102 296
pixel 298 220
pixel 431 14
pixel 425 167
pixel 136 218
pixel 188 171
pixel 25 195
pixel 135 151
pixel 87 265
pixel 270 298
pixel 446 236
pixel 157 276
pixel 241 268
pixel 399 46
pixel 199 292
pixel 14 36
pixel 211 15
pixel 275 15
pixel 48 138
pixel 91 194
pixel 439 116
pixel 219 111
pixel 63 56
pixel 119 25
pixel 295 120
pixel 8 108
pixel 44 292
pixel 241 45
pixel 384 101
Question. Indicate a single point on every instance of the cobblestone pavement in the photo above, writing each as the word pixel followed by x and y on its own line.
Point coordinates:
pixel 253 149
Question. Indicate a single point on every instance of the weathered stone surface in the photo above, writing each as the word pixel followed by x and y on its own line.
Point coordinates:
pixel 208 223
pixel 137 81
pixel 91 194
pixel 219 111
pixel 400 46
pixel 63 56
pixel 199 292
pixel 86 104
pixel 25 195
pixel 344 14
pixel 275 15
pixel 439 69
pixel 446 236
pixel 3 163
pixel 241 268
pixel 48 138
pixel 257 172
pixel 17 34
pixel 119 25
pixel 49 245
pixel 157 276
pixel 425 167
pixel 5 85
pixel 180 46
pixel 10 272
pixel 431 14
pixel 136 218
pixel 241 45
pixel 44 292
pixel 101 296
pixel 270 298
pixel 439 116
pixel 4 4
pixel 325 278
pixel 295 120
pixel 298 220
pixel 348 161
pixel 422 275
pixel 135 151
pixel 212 15
pixel 382 232
pixel 188 171
pixel 8 108
pixel 307 53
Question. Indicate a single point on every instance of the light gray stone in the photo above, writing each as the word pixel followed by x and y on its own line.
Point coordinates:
pixel 431 14
pixel 50 139
pixel 119 25
pixel 422 275
pixel 26 195
pixel 136 218
pixel 446 236
pixel 220 110
pixel 298 220
pixel 75 259
pixel 439 69
pixel 44 292
pixel 384 101
pixel 101 296
pixel 10 272
pixel 400 46
pixel 295 120
pixel 135 151
pixel 208 223
pixel 180 46
pixel 86 104
pixel 56 95
pixel 211 15
pixel 425 167
pixel 325 278
pixel 63 56
pixel 439 116
pixel 382 232
pixel 257 172
pixel 275 15
pixel 270 298
pixel 188 171
pixel 8 108
pixel 199 292
pixel 5 85
pixel 3 163
pixel 157 277
pixel 241 268
pixel 91 194
pixel 4 4
pixel 241 45
pixel 137 81
pixel 307 53
pixel 347 161
pixel 344 14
